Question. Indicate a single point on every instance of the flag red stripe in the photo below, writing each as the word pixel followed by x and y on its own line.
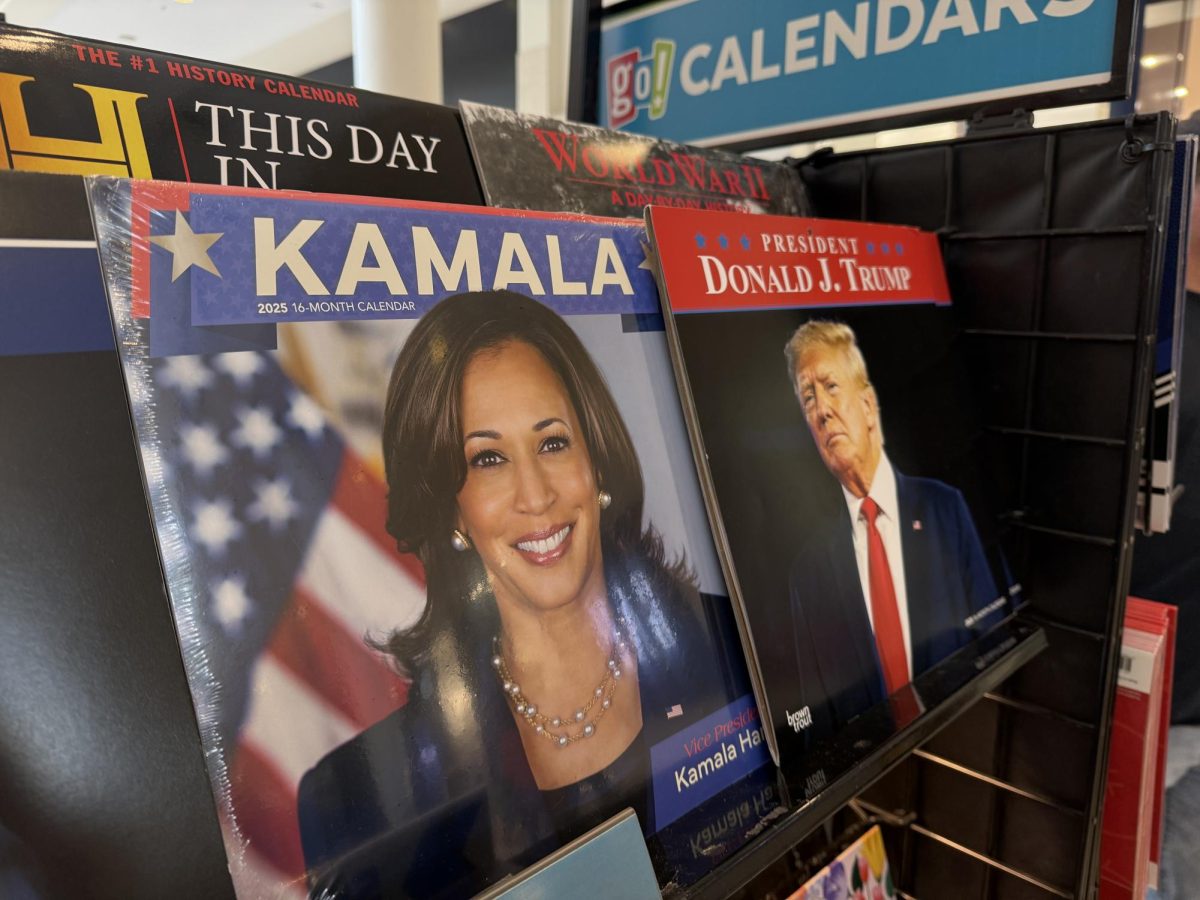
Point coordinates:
pixel 338 666
pixel 363 498
pixel 266 809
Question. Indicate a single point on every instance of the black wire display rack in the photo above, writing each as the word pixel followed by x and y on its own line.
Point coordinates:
pixel 1053 241
pixel 872 745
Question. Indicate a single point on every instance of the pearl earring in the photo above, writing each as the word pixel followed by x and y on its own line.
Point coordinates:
pixel 604 499
pixel 459 541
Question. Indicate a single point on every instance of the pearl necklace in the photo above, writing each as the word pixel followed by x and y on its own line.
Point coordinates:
pixel 601 699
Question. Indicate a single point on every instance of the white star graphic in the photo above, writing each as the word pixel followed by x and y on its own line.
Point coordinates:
pixel 187 374
pixel 273 503
pixel 306 415
pixel 256 431
pixel 202 448
pixel 214 526
pixel 241 367
pixel 647 262
pixel 231 605
pixel 187 248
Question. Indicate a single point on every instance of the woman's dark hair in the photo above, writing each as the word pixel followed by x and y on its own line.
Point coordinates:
pixel 426 467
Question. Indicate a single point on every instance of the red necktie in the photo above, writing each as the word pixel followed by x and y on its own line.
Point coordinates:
pixel 885 613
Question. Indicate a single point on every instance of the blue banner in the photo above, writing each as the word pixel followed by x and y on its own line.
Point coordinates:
pixel 710 70
pixel 53 298
pixel 264 260
pixel 706 758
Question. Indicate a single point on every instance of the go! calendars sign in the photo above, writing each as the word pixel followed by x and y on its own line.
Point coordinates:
pixel 707 71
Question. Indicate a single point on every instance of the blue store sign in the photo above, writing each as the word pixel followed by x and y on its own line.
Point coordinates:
pixel 708 71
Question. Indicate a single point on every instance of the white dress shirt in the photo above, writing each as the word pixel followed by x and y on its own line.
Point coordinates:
pixel 883 492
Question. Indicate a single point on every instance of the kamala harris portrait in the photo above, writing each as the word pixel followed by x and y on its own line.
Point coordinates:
pixel 556 631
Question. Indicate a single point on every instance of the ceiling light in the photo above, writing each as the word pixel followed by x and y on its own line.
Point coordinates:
pixel 1180 91
pixel 1149 62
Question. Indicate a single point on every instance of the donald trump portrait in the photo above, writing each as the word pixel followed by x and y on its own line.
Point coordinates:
pixel 897 579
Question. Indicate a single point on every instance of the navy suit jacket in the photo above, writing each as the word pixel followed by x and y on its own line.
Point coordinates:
pixel 947 580
pixel 438 798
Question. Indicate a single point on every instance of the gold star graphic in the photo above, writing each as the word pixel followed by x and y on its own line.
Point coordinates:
pixel 187 248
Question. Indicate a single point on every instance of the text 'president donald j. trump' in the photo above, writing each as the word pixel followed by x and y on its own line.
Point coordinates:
pixel 897 580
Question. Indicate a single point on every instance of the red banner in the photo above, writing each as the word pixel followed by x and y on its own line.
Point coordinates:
pixel 719 261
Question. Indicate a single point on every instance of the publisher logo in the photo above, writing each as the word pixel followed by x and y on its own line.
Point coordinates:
pixel 800 719
pixel 636 83
pixel 120 150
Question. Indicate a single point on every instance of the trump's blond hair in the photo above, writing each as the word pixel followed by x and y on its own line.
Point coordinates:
pixel 830 334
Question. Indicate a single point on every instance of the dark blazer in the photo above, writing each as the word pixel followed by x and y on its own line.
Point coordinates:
pixel 438 798
pixel 947 580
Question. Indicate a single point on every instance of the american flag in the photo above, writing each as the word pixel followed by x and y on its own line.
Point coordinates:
pixel 289 569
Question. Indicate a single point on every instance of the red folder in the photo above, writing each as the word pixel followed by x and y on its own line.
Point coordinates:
pixel 1132 828
pixel 1158 618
